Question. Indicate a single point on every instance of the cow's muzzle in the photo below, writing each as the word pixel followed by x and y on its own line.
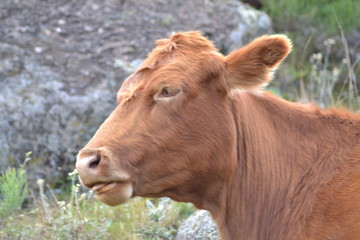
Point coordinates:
pixel 111 185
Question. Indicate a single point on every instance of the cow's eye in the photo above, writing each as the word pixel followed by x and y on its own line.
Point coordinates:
pixel 168 92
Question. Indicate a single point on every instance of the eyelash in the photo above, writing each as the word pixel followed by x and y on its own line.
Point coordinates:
pixel 168 92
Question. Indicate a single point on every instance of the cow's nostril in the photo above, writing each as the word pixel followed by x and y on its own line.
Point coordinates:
pixel 95 162
pixel 89 160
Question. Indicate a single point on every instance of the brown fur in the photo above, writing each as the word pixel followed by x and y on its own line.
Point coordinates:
pixel 265 168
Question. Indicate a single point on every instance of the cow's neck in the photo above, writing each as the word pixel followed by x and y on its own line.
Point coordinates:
pixel 281 153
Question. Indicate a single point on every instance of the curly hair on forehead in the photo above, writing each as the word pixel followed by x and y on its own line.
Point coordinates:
pixel 186 43
pixel 185 40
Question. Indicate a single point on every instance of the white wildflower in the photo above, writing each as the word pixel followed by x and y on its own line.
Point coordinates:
pixel 61 204
pixel 316 56
pixel 329 42
pixel 75 188
pixel 75 172
pixel 40 182
pixel 336 72
pixel 82 197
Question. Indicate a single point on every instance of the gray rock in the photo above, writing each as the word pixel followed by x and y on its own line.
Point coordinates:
pixel 198 226
pixel 62 62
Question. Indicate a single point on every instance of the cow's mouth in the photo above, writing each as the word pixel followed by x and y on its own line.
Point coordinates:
pixel 103 187
pixel 113 193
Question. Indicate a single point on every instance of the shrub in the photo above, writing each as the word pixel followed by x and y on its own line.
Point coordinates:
pixel 13 189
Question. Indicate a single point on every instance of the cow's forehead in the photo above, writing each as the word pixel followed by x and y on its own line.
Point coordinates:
pixel 171 58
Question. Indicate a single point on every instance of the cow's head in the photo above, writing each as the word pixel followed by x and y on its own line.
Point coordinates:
pixel 173 132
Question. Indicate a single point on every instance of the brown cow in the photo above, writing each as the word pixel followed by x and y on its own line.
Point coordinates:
pixel 194 125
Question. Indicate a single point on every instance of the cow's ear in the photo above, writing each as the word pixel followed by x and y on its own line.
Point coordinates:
pixel 251 67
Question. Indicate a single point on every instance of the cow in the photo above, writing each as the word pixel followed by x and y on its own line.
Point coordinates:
pixel 196 126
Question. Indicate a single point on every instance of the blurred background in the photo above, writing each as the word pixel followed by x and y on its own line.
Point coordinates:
pixel 62 62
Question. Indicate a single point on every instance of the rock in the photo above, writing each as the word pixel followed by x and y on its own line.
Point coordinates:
pixel 198 226
pixel 62 62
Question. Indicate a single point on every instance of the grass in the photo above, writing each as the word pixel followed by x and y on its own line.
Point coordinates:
pixel 320 68
pixel 83 217
pixel 309 15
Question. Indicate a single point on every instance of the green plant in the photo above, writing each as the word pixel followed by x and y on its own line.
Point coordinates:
pixel 310 15
pixel 13 189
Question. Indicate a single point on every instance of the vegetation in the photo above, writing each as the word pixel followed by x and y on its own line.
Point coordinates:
pixel 313 16
pixel 13 189
pixel 82 217
pixel 321 68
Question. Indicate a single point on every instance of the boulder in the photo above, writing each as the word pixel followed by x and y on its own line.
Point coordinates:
pixel 62 62
pixel 198 226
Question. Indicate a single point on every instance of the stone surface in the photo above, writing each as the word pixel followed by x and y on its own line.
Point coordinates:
pixel 62 62
pixel 198 226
